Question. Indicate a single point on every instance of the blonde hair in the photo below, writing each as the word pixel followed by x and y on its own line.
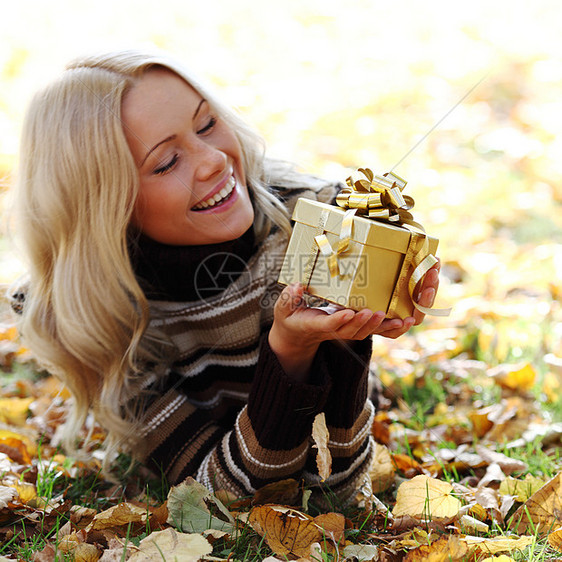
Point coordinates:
pixel 85 316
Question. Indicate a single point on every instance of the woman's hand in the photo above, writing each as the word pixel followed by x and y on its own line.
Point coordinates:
pixel 298 330
pixel 425 297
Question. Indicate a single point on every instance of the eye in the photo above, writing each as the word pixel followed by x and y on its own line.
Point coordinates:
pixel 208 127
pixel 168 166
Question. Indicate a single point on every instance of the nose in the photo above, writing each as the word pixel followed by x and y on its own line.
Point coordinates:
pixel 208 161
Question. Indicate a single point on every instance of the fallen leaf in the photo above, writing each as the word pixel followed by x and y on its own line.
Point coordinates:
pixel 382 471
pixel 555 539
pixel 285 492
pixel 500 558
pixel 321 436
pixel 188 511
pixel 119 515
pixel 287 532
pixel 380 432
pixel 426 497
pixel 500 544
pixel 473 525
pixel 522 489
pixel 117 550
pixel 171 545
pixel 481 424
pixel 7 494
pixel 26 491
pixel 21 442
pixel 494 473
pixel 543 510
pixel 14 411
pixel 332 525
pixel 363 552
pixel 446 549
pixel 515 377
pixel 507 464
pixel 405 463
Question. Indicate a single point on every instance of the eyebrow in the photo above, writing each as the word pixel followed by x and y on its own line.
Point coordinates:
pixel 171 137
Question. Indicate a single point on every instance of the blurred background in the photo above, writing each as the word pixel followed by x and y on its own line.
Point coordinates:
pixel 335 85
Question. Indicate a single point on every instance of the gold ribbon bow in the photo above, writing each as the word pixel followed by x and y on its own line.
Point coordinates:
pixel 377 197
pixel 380 198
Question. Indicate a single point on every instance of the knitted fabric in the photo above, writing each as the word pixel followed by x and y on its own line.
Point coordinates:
pixel 226 412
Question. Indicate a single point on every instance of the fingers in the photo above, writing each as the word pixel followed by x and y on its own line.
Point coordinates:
pixel 289 300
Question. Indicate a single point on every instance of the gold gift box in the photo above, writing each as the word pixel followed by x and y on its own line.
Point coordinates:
pixel 373 271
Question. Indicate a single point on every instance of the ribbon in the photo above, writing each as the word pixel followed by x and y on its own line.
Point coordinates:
pixel 381 198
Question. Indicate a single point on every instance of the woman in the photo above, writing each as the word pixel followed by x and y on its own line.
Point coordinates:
pixel 154 229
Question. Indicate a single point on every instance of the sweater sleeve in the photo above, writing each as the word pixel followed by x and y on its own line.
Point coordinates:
pixel 269 440
pixel 349 417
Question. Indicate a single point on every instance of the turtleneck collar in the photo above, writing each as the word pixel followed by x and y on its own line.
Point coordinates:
pixel 188 273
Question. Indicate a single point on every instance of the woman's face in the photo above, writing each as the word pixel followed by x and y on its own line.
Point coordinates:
pixel 192 183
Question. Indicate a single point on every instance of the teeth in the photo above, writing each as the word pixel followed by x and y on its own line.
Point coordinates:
pixel 224 192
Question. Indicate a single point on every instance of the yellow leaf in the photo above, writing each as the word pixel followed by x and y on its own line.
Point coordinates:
pixel 405 463
pixel 119 515
pixel 14 411
pixel 552 386
pixel 555 539
pixel 500 558
pixel 501 544
pixel 287 532
pixel 521 489
pixel 171 545
pixel 446 549
pixel 426 497
pixel 382 469
pixel 516 378
pixel 21 442
pixel 26 491
pixel 321 437
pixel 543 508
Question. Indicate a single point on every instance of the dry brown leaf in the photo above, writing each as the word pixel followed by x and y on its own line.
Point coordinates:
pixel 119 515
pixel 171 545
pixel 426 497
pixel 382 469
pixel 446 549
pixel 501 544
pixel 81 552
pixel 284 492
pixel 332 525
pixel 380 432
pixel 321 436
pixel 286 531
pixel 555 539
pixel 544 508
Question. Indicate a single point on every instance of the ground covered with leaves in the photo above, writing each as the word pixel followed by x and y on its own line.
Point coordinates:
pixel 469 427
pixel 467 467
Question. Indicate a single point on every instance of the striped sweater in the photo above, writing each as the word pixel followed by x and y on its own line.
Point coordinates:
pixel 226 412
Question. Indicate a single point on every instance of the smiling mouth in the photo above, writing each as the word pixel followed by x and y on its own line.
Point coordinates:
pixel 218 198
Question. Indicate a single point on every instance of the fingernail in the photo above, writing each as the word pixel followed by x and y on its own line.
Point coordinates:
pixel 431 296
